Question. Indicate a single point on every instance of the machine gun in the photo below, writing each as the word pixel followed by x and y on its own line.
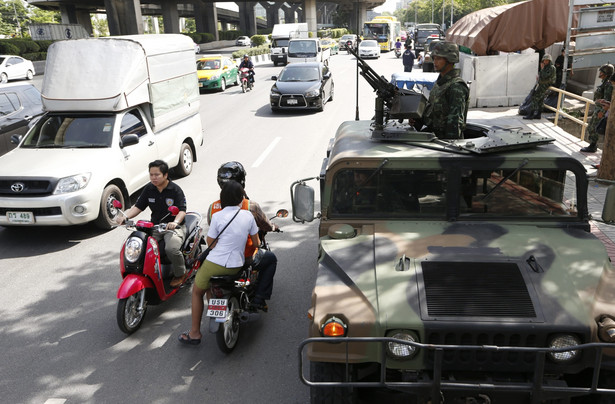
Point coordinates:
pixel 400 104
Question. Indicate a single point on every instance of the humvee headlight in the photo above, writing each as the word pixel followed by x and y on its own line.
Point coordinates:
pixel 334 327
pixel 564 341
pixel 133 248
pixel 402 351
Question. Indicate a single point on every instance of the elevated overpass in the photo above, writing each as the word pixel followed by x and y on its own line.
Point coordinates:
pixel 125 17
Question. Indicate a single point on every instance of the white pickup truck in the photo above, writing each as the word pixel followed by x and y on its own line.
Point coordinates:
pixel 307 50
pixel 113 105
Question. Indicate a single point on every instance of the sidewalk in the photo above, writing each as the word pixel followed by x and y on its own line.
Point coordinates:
pixel 596 193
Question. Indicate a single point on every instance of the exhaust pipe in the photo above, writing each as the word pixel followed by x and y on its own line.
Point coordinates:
pixel 246 316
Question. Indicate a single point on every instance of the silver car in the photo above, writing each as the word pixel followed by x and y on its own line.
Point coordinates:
pixel 369 49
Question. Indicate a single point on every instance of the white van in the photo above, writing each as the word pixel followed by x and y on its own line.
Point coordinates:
pixel 307 50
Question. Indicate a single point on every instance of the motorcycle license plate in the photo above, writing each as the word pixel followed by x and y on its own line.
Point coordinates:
pixel 217 308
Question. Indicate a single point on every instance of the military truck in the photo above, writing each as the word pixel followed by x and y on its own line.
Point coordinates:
pixel 454 271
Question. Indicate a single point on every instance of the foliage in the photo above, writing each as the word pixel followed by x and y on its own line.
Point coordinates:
pixel 7 48
pixel 194 36
pixel 421 11
pixel 100 27
pixel 258 40
pixel 43 45
pixel 40 16
pixel 190 25
pixel 259 50
pixel 332 32
pixel 35 56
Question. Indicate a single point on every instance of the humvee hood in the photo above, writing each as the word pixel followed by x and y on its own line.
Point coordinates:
pixel 489 272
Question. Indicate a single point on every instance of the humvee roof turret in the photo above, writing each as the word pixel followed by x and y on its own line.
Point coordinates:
pixel 452 271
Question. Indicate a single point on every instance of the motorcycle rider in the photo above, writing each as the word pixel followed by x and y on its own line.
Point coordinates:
pixel 247 63
pixel 398 45
pixel 265 262
pixel 159 195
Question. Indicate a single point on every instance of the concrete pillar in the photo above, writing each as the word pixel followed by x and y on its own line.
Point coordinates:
pixel 206 18
pixel 247 18
pixel 273 13
pixel 124 17
pixel 170 17
pixel 68 12
pixel 289 13
pixel 309 9
pixel 360 10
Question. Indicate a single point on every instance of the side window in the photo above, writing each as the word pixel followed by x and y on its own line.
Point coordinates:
pixel 14 100
pixel 33 95
pixel 6 106
pixel 132 123
pixel 14 61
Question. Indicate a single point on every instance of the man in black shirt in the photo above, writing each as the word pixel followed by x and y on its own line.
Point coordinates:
pixel 159 195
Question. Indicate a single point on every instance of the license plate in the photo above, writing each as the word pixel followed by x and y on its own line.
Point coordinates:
pixel 20 217
pixel 292 101
pixel 217 308
pixel 200 84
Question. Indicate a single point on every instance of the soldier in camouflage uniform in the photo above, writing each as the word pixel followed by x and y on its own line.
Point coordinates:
pixel 603 92
pixel 446 111
pixel 546 78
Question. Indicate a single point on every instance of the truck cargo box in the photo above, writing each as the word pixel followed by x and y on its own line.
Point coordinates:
pixel 115 73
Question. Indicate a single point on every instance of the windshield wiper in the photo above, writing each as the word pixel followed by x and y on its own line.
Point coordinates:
pixel 523 163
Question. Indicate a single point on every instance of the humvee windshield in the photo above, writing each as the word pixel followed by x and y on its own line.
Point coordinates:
pixel 473 193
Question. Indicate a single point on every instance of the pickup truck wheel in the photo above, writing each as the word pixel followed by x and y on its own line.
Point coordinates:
pixel 186 160
pixel 329 372
pixel 106 216
pixel 29 75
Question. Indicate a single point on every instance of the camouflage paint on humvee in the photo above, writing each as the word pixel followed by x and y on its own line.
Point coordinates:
pixel 447 273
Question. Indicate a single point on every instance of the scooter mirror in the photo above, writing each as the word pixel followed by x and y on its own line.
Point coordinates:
pixel 174 210
pixel 117 204
pixel 281 213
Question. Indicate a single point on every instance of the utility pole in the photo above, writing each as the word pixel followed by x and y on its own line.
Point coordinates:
pixel 17 20
pixel 451 13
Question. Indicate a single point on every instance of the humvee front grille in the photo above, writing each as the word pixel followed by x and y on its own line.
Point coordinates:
pixel 476 290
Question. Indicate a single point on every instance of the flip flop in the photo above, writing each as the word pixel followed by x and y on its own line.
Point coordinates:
pixel 188 340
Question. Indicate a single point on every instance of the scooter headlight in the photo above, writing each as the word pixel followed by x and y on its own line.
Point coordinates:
pixel 133 248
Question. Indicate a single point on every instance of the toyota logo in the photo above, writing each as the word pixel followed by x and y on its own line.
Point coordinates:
pixel 17 187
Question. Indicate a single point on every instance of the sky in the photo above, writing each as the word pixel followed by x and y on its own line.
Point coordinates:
pixel 389 6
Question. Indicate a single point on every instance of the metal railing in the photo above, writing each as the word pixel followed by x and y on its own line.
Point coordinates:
pixel 559 110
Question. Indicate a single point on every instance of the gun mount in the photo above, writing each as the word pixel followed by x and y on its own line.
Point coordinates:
pixel 391 101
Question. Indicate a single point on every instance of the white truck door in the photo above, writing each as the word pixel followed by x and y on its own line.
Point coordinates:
pixel 137 156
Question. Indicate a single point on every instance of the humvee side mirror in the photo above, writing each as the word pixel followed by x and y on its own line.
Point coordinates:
pixel 302 199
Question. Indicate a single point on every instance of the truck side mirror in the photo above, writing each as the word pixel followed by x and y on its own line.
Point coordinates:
pixel 302 199
pixel 15 139
pixel 128 140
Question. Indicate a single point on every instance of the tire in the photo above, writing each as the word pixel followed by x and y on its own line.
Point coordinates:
pixel 186 161
pixel 244 86
pixel 228 333
pixel 4 78
pixel 332 91
pixel 275 63
pixel 29 75
pixel 129 318
pixel 106 216
pixel 328 372
pixel 322 103
pixel 222 84
pixel 236 79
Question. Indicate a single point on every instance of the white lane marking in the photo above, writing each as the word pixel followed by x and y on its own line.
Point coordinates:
pixel 55 401
pixel 268 150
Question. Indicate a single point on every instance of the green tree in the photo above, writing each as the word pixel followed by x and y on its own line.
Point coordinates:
pixel 39 16
pixel 99 25
pixel 13 18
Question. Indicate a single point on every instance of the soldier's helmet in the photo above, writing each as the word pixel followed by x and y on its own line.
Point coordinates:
pixel 547 57
pixel 607 69
pixel 446 50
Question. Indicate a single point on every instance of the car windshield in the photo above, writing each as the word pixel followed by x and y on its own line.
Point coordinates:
pixel 279 43
pixel 520 194
pixel 302 73
pixel 211 64
pixel 369 44
pixel 347 38
pixel 308 47
pixel 66 131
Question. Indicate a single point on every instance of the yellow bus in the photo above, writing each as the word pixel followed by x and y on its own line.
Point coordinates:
pixel 385 29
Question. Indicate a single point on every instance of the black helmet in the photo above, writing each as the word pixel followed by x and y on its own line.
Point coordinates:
pixel 233 170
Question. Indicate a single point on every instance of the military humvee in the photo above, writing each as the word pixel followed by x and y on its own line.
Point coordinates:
pixel 455 271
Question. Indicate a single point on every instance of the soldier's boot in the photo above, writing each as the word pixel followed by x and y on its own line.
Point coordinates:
pixel 591 148
pixel 534 114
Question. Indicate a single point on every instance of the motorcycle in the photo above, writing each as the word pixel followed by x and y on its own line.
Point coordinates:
pixel 245 75
pixel 397 52
pixel 145 269
pixel 348 46
pixel 230 297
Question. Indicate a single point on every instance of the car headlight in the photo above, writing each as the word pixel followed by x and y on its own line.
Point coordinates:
pixel 402 351
pixel 313 93
pixel 72 183
pixel 132 249
pixel 564 341
pixel 274 92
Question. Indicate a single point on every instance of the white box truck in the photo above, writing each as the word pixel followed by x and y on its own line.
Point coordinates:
pixel 112 106
pixel 281 34
pixel 307 50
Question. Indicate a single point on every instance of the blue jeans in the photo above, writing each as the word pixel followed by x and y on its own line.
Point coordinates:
pixel 265 262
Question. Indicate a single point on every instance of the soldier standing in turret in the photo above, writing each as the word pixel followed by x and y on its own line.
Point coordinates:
pixel 447 108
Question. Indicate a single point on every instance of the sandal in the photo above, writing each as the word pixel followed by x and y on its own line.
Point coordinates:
pixel 187 340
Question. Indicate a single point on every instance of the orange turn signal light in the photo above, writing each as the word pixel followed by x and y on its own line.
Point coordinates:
pixel 334 327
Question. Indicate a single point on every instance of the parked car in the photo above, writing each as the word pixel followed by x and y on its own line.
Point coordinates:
pixel 15 67
pixel 369 49
pixel 330 44
pixel 243 41
pixel 215 72
pixel 302 86
pixel 345 38
pixel 20 107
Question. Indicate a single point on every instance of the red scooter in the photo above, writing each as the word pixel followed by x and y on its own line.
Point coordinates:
pixel 147 272
pixel 247 81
